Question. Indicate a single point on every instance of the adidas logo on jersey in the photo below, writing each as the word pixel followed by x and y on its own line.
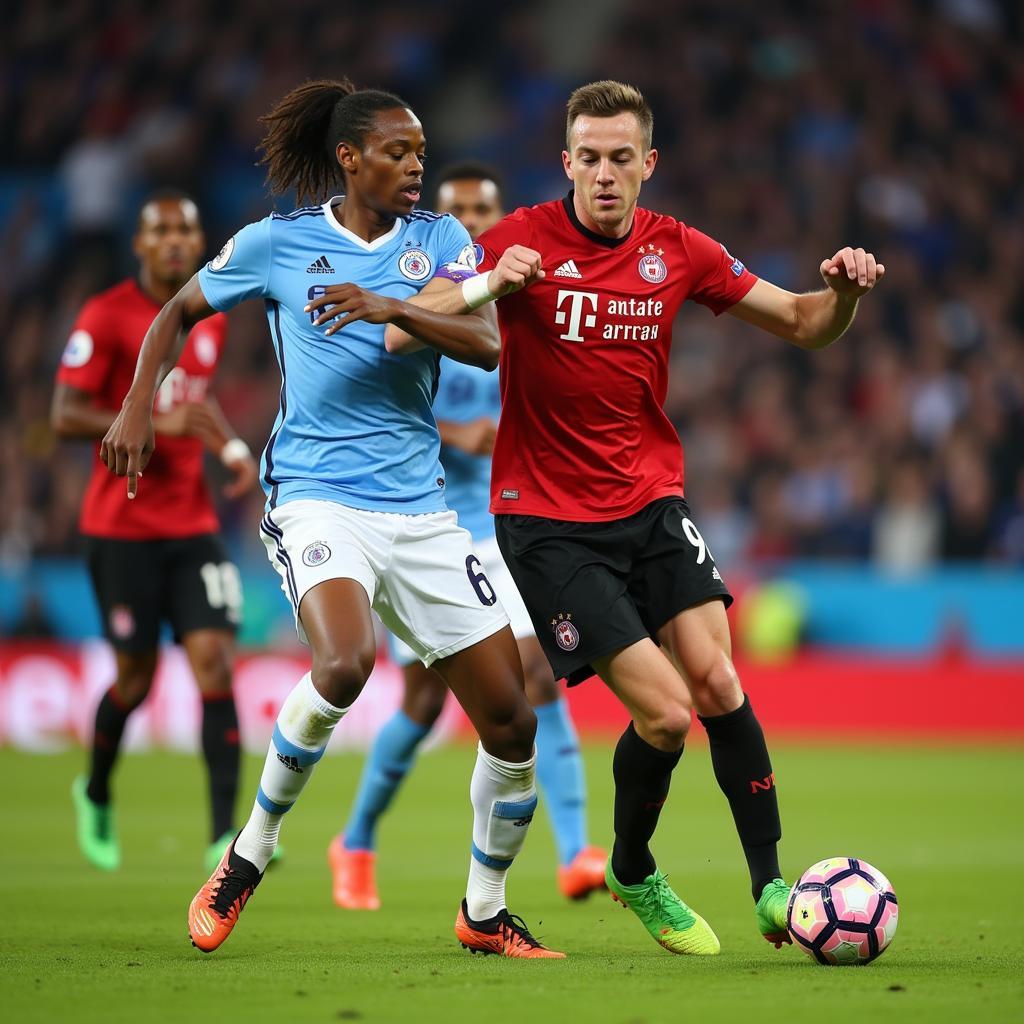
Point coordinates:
pixel 320 266
pixel 568 269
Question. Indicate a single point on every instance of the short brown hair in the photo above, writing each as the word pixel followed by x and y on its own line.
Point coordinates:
pixel 606 99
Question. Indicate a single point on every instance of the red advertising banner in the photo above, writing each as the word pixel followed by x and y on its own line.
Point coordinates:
pixel 48 693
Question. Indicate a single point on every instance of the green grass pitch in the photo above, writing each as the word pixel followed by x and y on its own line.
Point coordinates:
pixel 944 823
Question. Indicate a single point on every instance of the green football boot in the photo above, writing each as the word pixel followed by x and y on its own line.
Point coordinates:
pixel 217 848
pixel 670 921
pixel 772 912
pixel 97 834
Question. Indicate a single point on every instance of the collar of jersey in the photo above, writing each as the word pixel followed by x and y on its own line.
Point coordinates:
pixel 352 237
pixel 608 243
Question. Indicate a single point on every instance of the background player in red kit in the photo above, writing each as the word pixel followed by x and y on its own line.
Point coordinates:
pixel 157 557
pixel 587 486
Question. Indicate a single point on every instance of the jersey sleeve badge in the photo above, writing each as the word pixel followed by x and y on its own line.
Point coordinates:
pixel 78 351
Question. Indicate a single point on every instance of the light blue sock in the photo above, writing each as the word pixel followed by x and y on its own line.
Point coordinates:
pixel 560 773
pixel 387 764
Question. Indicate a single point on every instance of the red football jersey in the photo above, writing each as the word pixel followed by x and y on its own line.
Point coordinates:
pixel 100 358
pixel 584 360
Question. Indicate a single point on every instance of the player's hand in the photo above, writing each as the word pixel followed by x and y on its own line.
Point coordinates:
pixel 349 303
pixel 474 438
pixel 244 473
pixel 852 272
pixel 190 419
pixel 517 268
pixel 128 444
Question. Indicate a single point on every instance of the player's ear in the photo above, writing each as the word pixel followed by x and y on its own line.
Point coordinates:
pixel 348 157
pixel 137 245
pixel 567 164
pixel 649 161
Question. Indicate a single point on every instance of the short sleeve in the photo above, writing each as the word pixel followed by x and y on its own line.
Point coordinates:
pixel 719 279
pixel 456 257
pixel 90 351
pixel 241 270
pixel 511 230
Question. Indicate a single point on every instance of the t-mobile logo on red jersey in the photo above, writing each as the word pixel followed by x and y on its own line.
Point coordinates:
pixel 575 314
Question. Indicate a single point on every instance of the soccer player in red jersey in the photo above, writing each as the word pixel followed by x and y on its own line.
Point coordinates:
pixel 158 557
pixel 587 484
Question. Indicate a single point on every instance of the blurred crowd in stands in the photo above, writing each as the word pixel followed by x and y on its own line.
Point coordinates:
pixel 785 129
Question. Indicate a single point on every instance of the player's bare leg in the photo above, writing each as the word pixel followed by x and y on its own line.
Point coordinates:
pixel 486 678
pixel 647 752
pixel 699 643
pixel 96 827
pixel 211 653
pixel 352 856
pixel 336 617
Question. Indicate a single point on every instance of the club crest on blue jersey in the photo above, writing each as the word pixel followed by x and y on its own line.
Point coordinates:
pixel 415 265
pixel 651 266
pixel 316 554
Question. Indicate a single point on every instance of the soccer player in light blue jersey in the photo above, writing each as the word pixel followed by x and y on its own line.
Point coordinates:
pixel 356 516
pixel 466 408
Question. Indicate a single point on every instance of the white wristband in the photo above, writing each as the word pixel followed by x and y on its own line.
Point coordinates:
pixel 235 451
pixel 475 292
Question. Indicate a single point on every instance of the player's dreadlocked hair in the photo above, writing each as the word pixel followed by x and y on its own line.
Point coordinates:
pixel 305 127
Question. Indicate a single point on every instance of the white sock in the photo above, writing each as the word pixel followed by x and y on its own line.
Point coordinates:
pixel 304 725
pixel 504 797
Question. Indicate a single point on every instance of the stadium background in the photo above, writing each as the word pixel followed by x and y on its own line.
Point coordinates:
pixel 865 502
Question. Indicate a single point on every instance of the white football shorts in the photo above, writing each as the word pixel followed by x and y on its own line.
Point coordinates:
pixel 504 586
pixel 420 572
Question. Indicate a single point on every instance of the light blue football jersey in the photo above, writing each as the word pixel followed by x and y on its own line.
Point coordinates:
pixel 355 424
pixel 466 393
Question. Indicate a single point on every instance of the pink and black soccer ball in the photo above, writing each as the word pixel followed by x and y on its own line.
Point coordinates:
pixel 843 911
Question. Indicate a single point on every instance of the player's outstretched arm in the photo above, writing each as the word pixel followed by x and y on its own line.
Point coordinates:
pixel 128 444
pixel 818 318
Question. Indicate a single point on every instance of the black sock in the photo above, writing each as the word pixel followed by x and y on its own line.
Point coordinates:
pixel 111 716
pixel 222 754
pixel 743 769
pixel 642 776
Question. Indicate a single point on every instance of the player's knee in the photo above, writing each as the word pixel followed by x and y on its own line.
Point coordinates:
pixel 667 727
pixel 340 676
pixel 134 682
pixel 510 735
pixel 717 688
pixel 212 666
pixel 425 704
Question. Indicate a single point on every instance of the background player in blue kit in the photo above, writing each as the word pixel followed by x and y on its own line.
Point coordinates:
pixel 356 518
pixel 466 408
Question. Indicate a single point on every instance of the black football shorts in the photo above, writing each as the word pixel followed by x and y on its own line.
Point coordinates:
pixel 595 588
pixel 190 582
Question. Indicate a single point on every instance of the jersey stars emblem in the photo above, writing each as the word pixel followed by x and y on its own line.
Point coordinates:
pixel 566 634
pixel 651 266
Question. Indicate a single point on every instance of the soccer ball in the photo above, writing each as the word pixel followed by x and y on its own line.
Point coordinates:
pixel 842 911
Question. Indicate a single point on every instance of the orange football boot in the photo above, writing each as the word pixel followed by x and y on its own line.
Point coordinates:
pixel 355 887
pixel 215 908
pixel 584 874
pixel 504 934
